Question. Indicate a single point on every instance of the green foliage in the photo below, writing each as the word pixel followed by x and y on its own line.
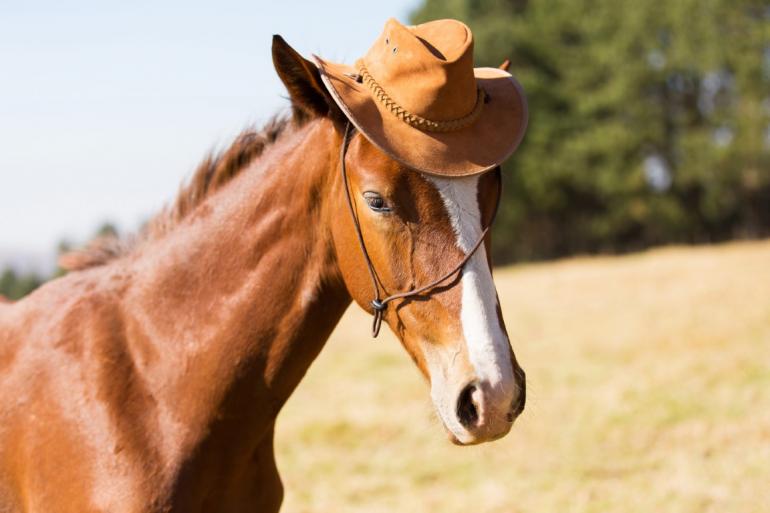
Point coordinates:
pixel 649 120
pixel 107 229
pixel 14 286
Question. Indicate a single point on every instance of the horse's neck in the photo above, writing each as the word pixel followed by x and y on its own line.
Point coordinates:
pixel 231 307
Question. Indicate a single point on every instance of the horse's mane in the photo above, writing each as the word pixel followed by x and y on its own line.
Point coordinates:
pixel 215 171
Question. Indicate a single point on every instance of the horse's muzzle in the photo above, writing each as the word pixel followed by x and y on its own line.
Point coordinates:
pixel 486 411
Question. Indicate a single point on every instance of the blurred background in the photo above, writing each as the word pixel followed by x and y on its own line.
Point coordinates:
pixel 648 366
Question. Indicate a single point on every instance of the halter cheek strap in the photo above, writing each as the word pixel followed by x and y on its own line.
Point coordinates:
pixel 378 304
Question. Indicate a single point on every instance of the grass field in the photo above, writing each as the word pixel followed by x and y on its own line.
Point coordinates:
pixel 648 391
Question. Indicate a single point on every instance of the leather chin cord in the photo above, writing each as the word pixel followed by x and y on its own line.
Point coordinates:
pixel 378 304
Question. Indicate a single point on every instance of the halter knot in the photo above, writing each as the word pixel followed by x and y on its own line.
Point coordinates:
pixel 379 305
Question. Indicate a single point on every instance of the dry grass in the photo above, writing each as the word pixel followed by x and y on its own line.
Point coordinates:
pixel 649 381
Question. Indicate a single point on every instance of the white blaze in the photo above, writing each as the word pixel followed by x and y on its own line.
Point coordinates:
pixel 488 348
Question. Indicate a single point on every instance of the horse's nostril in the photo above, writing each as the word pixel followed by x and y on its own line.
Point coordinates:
pixel 466 409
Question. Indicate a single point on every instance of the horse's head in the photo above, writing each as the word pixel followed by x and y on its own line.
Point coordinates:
pixel 417 228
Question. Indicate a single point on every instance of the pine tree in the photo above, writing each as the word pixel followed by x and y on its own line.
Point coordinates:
pixel 649 121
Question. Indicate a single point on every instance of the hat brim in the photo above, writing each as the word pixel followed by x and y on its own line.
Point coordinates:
pixel 491 139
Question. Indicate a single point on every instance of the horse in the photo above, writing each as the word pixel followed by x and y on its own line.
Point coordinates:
pixel 149 377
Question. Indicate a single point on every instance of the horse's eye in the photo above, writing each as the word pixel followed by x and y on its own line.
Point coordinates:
pixel 376 202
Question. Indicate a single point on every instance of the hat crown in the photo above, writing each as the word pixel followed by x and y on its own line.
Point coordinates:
pixel 427 69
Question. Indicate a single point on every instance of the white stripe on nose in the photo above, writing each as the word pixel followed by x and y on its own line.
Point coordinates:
pixel 488 347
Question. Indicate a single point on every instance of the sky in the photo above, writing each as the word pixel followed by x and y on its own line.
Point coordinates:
pixel 106 107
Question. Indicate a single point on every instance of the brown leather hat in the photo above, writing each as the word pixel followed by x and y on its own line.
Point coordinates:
pixel 417 96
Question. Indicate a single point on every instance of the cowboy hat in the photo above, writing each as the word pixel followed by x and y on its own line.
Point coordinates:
pixel 416 96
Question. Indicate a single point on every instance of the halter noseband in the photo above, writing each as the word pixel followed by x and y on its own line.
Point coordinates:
pixel 380 305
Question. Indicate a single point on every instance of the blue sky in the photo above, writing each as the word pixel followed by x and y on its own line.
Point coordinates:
pixel 105 107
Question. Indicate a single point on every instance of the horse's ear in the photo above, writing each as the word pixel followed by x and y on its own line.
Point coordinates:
pixel 302 79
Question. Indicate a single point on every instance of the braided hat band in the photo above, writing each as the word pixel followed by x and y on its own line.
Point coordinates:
pixel 414 120
pixel 418 107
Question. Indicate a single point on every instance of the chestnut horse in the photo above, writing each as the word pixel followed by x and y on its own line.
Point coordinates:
pixel 148 379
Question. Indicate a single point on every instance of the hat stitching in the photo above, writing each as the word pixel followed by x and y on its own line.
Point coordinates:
pixel 414 120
